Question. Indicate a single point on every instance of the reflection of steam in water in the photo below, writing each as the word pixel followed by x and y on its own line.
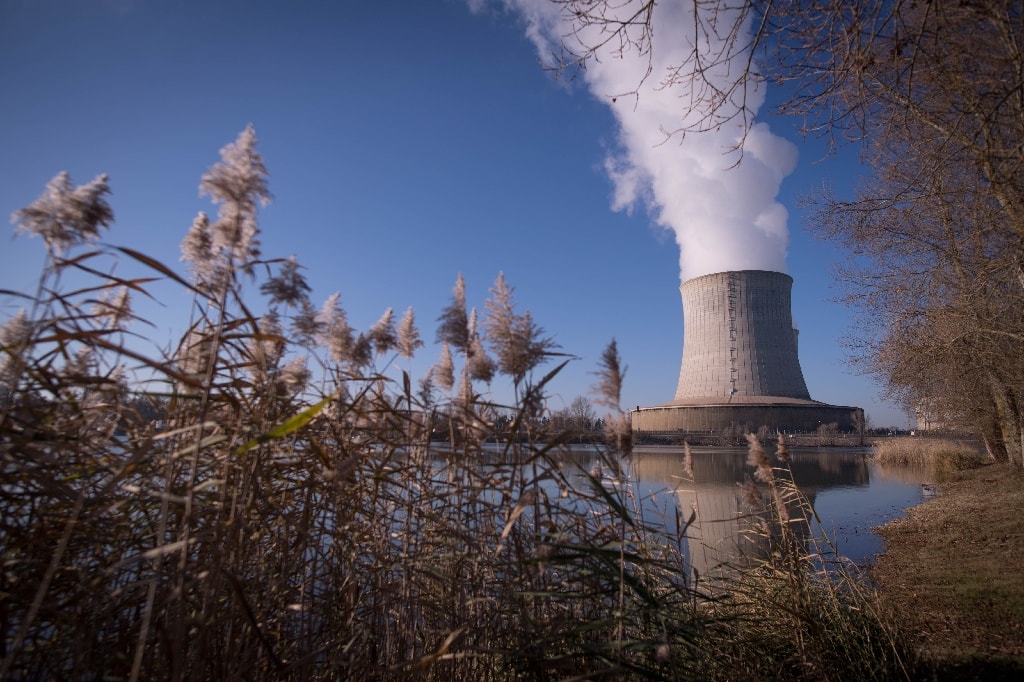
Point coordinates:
pixel 724 534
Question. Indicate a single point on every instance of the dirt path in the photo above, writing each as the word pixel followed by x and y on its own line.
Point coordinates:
pixel 953 573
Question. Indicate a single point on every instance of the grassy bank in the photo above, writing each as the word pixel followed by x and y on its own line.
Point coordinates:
pixel 952 575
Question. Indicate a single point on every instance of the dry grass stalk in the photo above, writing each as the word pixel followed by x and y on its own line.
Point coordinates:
pixel 227 514
pixel 943 457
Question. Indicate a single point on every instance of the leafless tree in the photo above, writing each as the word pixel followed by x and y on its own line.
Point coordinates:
pixel 581 412
pixel 938 229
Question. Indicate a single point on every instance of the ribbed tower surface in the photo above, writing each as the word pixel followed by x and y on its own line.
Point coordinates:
pixel 738 339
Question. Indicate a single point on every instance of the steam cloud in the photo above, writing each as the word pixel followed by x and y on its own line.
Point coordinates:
pixel 723 216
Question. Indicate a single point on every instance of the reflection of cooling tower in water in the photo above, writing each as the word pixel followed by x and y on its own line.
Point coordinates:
pixel 722 534
pixel 727 532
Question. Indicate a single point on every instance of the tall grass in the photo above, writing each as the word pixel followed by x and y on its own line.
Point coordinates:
pixel 944 457
pixel 267 499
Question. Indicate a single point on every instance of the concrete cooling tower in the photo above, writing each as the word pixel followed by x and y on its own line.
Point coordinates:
pixel 740 367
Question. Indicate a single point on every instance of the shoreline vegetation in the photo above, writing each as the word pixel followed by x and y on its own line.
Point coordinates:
pixel 292 519
pixel 952 571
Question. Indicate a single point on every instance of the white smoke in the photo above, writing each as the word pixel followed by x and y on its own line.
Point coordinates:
pixel 724 216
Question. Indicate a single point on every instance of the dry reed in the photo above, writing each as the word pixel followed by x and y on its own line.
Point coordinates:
pixel 942 456
pixel 266 502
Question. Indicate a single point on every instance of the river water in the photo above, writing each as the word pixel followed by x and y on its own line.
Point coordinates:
pixel 851 494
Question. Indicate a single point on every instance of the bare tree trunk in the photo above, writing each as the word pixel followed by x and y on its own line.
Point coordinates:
pixel 1007 420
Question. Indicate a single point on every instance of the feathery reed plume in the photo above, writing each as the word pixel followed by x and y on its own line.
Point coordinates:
pixel 618 431
pixel 518 343
pixel 64 215
pixel 198 251
pixel 758 458
pixel 114 308
pixel 500 310
pixel 239 184
pixel 408 335
pixel 382 334
pixel 266 347
pixel 454 325
pixel 295 375
pixel 306 328
pixel 750 494
pixel 687 460
pixel 335 332
pixel 464 401
pixel 425 390
pixel 288 286
pixel 781 450
pixel 194 354
pixel 14 336
pixel 480 365
pixel 610 374
pixel 532 347
pixel 362 352
pixel 444 370
pixel 80 366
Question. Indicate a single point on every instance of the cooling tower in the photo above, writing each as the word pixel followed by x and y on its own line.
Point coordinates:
pixel 738 337
pixel 740 367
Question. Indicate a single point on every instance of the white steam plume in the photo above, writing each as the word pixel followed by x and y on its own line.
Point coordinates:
pixel 724 216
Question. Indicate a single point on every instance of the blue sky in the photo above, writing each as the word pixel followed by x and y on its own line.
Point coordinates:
pixel 407 141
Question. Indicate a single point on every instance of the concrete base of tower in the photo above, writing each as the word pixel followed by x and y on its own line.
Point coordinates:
pixel 745 414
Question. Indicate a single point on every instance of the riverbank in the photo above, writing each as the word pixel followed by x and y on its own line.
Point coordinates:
pixel 953 574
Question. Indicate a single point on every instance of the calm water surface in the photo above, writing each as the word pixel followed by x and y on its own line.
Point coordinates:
pixel 851 494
